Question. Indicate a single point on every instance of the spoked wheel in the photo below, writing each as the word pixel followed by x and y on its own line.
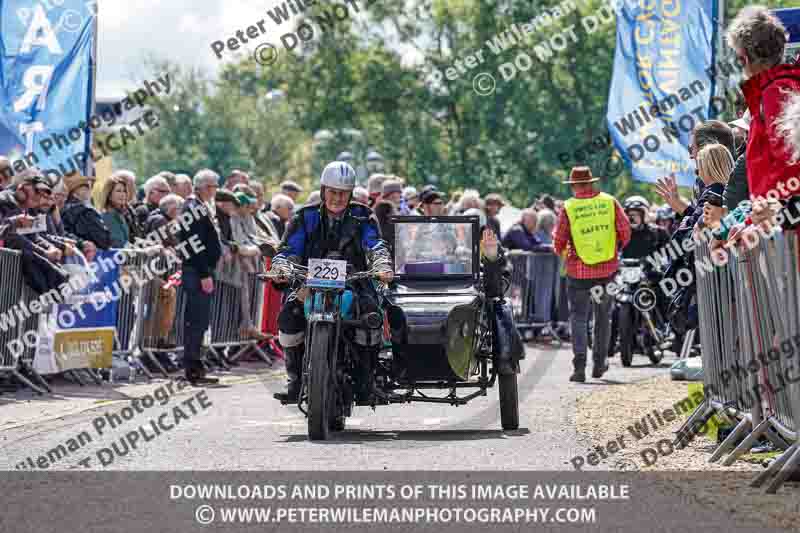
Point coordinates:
pixel 626 334
pixel 509 401
pixel 321 400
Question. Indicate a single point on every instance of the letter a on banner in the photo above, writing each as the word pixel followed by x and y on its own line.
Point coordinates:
pixel 47 79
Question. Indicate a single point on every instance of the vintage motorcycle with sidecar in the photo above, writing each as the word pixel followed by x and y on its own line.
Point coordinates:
pixel 437 329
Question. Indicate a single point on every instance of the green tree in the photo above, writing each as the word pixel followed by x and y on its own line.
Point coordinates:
pixel 520 140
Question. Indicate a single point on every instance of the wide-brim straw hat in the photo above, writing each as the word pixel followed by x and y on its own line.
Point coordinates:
pixel 74 181
pixel 580 175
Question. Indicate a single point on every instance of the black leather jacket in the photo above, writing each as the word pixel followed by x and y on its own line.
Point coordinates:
pixel 85 223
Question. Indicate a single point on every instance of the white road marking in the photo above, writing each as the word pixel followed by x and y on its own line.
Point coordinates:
pixel 283 422
pixel 433 421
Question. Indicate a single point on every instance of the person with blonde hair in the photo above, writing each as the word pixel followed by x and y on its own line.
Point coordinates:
pixel 470 199
pixel 714 166
pixel 453 203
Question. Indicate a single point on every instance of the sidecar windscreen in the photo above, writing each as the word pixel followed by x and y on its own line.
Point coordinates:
pixel 436 247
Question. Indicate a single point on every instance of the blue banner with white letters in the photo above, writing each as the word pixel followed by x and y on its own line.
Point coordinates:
pixel 46 84
pixel 95 304
pixel 662 84
pixel 791 19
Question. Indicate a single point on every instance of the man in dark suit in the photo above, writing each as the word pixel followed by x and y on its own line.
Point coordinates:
pixel 198 273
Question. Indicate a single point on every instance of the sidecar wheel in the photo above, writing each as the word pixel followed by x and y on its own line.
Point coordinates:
pixel 320 397
pixel 509 401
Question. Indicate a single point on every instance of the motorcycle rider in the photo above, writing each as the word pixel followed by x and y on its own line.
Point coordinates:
pixel 665 219
pixel 335 224
pixel 646 241
pixel 645 238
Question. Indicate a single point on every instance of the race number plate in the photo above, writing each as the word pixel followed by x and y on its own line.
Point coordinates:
pixel 326 273
pixel 631 274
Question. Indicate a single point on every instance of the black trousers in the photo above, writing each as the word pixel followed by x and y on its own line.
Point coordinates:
pixel 197 317
pixel 580 302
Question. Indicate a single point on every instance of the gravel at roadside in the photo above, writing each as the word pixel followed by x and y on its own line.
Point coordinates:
pixel 606 414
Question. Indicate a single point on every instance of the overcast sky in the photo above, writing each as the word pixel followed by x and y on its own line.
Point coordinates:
pixel 179 30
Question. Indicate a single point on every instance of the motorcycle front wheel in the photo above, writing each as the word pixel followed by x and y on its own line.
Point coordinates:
pixel 321 400
pixel 626 333
pixel 509 401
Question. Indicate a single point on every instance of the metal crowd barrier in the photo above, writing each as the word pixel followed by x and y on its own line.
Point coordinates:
pixel 773 269
pixel 224 329
pixel 138 315
pixel 534 291
pixel 12 363
pixel 130 311
pixel 226 332
pixel 748 308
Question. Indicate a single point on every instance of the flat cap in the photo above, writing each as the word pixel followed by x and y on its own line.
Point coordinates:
pixel 291 186
pixel 391 186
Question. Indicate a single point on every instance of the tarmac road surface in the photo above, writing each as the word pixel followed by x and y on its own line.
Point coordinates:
pixel 241 427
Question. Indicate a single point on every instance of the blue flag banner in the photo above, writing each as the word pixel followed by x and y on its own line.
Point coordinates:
pixel 80 333
pixel 662 85
pixel 791 19
pixel 99 296
pixel 46 83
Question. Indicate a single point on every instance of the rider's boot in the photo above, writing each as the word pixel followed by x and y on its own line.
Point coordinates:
pixel 294 366
pixel 382 390
pixel 579 364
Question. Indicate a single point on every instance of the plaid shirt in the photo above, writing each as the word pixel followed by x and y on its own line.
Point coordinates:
pixel 562 240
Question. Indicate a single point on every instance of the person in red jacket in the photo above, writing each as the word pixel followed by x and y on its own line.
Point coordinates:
pixel 759 40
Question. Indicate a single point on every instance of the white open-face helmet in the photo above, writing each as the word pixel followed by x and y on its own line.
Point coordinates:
pixel 338 175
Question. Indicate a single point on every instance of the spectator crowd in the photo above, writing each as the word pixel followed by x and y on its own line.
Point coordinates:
pixel 748 177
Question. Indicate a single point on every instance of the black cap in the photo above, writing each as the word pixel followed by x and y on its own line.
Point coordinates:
pixel 226 195
pixel 429 194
